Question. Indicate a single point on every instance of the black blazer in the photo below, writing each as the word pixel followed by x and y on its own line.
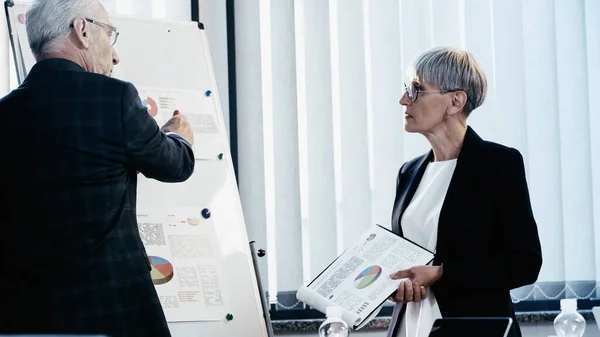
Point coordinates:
pixel 487 240
pixel 71 255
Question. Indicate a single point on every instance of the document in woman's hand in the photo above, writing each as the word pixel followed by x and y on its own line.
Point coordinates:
pixel 358 280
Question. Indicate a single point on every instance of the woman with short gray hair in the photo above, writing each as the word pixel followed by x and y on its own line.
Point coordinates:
pixel 466 200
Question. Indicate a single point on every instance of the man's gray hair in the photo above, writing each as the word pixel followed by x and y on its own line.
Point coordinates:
pixel 49 21
pixel 453 69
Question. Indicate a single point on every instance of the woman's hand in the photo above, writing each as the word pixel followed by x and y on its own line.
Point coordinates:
pixel 413 289
pixel 409 292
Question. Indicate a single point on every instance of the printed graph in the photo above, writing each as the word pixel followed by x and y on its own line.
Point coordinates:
pixel 162 270
pixel 367 277
pixel 151 105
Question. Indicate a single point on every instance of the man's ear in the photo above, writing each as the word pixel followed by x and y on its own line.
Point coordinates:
pixel 459 100
pixel 81 32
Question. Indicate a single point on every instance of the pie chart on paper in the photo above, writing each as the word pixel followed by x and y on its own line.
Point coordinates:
pixel 162 270
pixel 151 105
pixel 367 277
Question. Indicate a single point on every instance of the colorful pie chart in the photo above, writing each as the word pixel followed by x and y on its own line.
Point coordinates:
pixel 367 277
pixel 151 105
pixel 162 270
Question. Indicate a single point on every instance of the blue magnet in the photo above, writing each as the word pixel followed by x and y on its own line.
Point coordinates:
pixel 208 93
pixel 220 156
pixel 206 213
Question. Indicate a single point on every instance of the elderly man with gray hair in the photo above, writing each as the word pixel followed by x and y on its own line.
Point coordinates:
pixel 466 200
pixel 72 258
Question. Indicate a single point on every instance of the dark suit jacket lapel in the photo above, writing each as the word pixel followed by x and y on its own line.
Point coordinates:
pixel 413 178
pixel 410 181
pixel 466 162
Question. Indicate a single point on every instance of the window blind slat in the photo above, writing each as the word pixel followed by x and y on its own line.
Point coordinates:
pixel 542 105
pixel 318 215
pixel 574 139
pixel 355 210
pixel 385 89
pixel 288 251
pixel 592 11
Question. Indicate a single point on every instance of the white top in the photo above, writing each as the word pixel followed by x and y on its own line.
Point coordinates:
pixel 419 224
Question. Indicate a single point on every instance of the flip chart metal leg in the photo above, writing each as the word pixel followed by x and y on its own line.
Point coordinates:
pixel 263 297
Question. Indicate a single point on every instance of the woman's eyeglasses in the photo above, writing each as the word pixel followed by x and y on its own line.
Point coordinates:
pixel 413 91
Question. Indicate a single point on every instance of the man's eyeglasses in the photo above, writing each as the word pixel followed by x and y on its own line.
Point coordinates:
pixel 113 32
pixel 413 91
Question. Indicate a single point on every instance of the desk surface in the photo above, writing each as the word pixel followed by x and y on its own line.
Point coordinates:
pixel 382 323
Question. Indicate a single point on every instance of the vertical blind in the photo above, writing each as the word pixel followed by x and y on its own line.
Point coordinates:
pixel 321 132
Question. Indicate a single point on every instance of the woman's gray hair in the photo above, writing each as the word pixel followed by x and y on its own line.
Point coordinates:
pixel 452 69
pixel 49 21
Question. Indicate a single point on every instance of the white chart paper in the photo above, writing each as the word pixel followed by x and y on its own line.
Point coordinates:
pixel 186 266
pixel 197 107
pixel 358 280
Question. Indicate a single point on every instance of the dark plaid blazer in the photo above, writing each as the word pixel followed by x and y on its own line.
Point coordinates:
pixel 487 238
pixel 72 259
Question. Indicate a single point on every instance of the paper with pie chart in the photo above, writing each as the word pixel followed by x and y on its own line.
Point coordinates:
pixel 160 103
pixel 162 270
pixel 358 280
pixel 184 262
pixel 367 277
pixel 199 110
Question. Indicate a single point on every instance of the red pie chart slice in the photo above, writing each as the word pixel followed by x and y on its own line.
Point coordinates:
pixel 151 105
pixel 162 270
